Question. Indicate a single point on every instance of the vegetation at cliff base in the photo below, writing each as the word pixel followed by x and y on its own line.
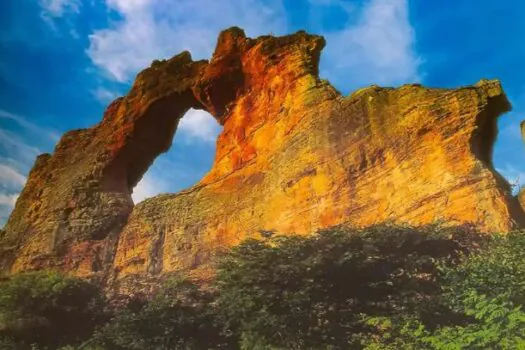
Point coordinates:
pixel 49 309
pixel 383 287
pixel 179 316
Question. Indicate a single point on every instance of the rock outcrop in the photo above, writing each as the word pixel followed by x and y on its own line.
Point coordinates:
pixel 521 193
pixel 294 156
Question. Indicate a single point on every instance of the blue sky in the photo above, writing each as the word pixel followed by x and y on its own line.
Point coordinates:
pixel 62 61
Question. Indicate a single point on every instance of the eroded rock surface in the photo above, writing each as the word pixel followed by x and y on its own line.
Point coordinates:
pixel 294 156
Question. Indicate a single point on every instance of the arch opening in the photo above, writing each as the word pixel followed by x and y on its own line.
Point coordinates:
pixel 189 158
pixel 509 164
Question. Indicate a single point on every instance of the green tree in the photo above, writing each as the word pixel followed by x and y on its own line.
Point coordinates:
pixel 484 294
pixel 180 316
pixel 48 309
pixel 291 292
pixel 488 288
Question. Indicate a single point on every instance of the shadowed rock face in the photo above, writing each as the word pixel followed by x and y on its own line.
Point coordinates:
pixel 521 194
pixel 294 156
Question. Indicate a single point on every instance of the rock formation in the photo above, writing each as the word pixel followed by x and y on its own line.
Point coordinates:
pixel 521 194
pixel 294 156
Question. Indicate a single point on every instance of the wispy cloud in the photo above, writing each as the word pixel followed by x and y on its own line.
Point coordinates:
pixel 53 135
pixel 16 148
pixel 104 95
pixel 172 171
pixel 148 187
pixel 8 199
pixel 7 202
pixel 377 47
pixel 167 175
pixel 11 177
pixel 11 181
pixel 153 29
pixel 58 8
pixel 53 10
pixel 515 176
pixel 509 149
pixel 19 146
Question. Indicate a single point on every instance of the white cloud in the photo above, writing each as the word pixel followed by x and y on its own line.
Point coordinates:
pixel 146 188
pixel 7 203
pixel 10 177
pixel 18 151
pixel 128 5
pixel 377 48
pixel 58 8
pixel 104 95
pixel 52 10
pixel 515 176
pixel 197 125
pixel 156 29
pixel 8 200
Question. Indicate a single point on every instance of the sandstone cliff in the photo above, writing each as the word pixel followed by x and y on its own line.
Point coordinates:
pixel 294 156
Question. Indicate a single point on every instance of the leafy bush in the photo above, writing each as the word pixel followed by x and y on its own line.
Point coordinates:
pixel 486 292
pixel 48 309
pixel 180 316
pixel 498 269
pixel 292 292
pixel 489 288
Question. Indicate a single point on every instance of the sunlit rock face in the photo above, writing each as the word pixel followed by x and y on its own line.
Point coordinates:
pixel 294 156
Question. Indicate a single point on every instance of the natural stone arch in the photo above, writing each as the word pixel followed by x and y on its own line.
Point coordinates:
pixel 295 156
pixel 77 200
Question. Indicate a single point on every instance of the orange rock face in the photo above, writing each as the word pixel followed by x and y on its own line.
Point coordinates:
pixel 294 156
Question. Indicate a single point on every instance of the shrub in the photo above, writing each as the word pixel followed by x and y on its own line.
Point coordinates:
pixel 488 287
pixel 486 293
pixel 293 292
pixel 48 309
pixel 180 316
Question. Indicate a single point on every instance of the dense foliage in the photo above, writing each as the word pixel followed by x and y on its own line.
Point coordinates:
pixel 488 288
pixel 48 309
pixel 180 316
pixel 383 287
pixel 291 292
